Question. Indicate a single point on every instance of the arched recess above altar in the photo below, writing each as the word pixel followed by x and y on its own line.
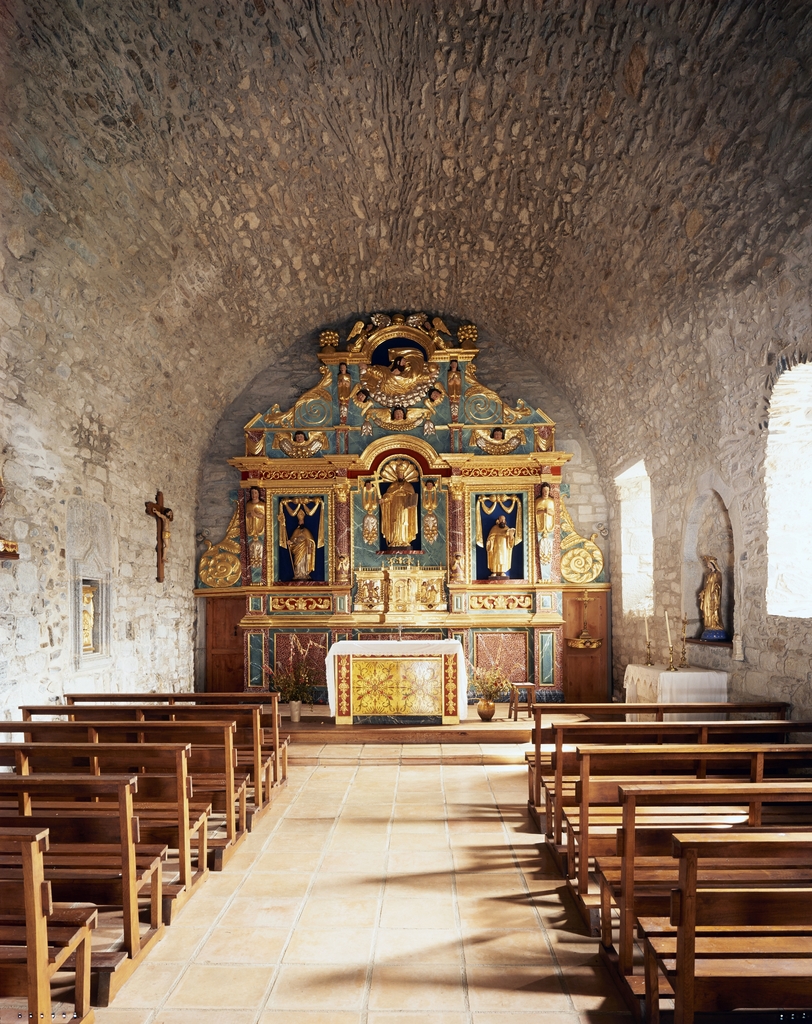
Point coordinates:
pixel 401 496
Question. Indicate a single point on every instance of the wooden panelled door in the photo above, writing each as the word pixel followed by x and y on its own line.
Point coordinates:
pixel 225 672
pixel 586 673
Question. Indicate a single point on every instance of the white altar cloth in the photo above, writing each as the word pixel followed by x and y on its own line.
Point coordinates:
pixel 393 648
pixel 654 684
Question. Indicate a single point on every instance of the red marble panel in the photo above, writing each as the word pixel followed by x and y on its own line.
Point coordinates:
pixel 507 650
pixel 314 646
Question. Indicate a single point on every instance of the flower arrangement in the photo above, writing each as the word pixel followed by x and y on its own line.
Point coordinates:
pixel 487 682
pixel 294 679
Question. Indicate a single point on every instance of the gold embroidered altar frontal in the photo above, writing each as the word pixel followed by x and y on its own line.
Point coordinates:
pixel 405 686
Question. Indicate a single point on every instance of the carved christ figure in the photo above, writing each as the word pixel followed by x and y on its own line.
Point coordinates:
pixel 499 547
pixel 302 549
pixel 399 507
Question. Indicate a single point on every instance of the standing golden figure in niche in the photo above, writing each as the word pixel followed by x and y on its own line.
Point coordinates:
pixel 399 504
pixel 710 601
pixel 301 544
pixel 499 547
pixel 501 538
pixel 545 525
pixel 254 526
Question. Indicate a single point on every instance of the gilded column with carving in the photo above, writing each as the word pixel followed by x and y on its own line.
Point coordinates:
pixel 456 530
pixel 342 534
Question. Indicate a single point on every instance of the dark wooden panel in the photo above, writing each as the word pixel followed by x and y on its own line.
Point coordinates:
pixel 225 671
pixel 586 673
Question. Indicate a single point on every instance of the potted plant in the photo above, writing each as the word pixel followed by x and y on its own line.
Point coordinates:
pixel 488 683
pixel 294 679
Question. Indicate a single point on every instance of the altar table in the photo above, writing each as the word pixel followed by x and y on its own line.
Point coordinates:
pixel 654 684
pixel 394 679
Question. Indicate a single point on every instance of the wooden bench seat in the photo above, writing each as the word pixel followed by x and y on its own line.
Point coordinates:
pixel 95 858
pixel 698 949
pixel 34 943
pixel 163 804
pixel 638 881
pixel 211 764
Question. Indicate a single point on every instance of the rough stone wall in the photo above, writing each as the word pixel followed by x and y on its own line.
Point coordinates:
pixel 618 193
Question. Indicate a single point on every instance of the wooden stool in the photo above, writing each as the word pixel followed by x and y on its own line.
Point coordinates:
pixel 513 703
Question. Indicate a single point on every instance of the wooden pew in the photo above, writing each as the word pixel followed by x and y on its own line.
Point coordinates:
pixel 734 947
pixel 212 764
pixel 277 745
pixel 538 759
pixel 252 755
pixel 566 735
pixel 163 806
pixel 94 858
pixel 35 942
pixel 639 879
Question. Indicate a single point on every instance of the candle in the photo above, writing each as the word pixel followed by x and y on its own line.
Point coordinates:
pixel 647 636
pixel 668 630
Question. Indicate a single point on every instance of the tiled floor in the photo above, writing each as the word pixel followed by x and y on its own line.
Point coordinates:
pixel 380 893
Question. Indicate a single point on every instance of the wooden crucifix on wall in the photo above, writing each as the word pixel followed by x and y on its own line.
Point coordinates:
pixel 163 517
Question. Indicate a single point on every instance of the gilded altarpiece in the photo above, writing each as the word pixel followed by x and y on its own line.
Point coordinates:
pixel 402 497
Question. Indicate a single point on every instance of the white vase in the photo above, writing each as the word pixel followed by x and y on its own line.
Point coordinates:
pixel 295 707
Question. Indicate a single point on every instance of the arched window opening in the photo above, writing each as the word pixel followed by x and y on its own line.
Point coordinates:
pixel 636 540
pixel 788 479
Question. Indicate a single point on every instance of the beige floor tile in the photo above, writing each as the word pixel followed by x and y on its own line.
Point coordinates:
pixel 198 1016
pixel 329 946
pixel 420 863
pixel 540 1017
pixel 178 943
pixel 344 841
pixel 322 987
pixel 346 885
pixel 493 946
pixel 308 1017
pixel 148 985
pixel 482 884
pixel 418 886
pixel 497 913
pixel 434 912
pixel 423 827
pixel 339 913
pixel 276 883
pixel 261 912
pixel 592 989
pixel 112 1015
pixel 243 945
pixel 425 988
pixel 277 858
pixel 418 945
pixel 515 988
pixel 418 842
pixel 417 1018
pixel 358 862
pixel 213 987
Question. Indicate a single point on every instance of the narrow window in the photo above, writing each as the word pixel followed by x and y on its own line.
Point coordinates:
pixel 636 540
pixel 788 480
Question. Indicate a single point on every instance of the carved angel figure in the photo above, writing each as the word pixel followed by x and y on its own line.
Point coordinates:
pixel 298 445
pixel 497 441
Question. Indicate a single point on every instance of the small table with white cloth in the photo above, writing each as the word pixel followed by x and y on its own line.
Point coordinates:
pixel 397 679
pixel 654 684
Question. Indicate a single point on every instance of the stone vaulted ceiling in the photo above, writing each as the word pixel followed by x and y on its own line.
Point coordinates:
pixel 189 187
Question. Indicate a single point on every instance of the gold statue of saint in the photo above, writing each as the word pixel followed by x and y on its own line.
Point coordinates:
pixel 710 596
pixel 399 504
pixel 254 526
pixel 300 544
pixel 545 525
pixel 499 547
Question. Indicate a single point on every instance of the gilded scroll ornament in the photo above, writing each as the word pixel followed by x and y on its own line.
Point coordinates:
pixel 501 602
pixel 431 526
pixel 220 563
pixel 369 501
pixel 283 603
pixel 581 559
pixel 299 446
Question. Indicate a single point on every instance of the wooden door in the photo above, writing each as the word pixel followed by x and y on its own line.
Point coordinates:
pixel 225 670
pixel 586 672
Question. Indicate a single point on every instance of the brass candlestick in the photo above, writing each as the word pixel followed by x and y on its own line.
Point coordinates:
pixel 648 653
pixel 683 661
pixel 671 666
